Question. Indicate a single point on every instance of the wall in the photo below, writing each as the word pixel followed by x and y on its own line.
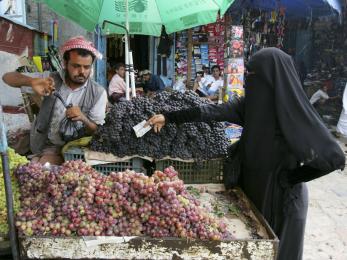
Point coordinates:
pixel 67 28
pixel 15 41
pixel 9 62
pixel 15 38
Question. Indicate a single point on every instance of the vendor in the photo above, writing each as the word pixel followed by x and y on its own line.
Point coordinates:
pixel 76 87
pixel 212 85
pixel 283 144
pixel 151 83
pixel 117 87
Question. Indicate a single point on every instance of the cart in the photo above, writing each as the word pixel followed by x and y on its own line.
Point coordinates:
pixel 254 238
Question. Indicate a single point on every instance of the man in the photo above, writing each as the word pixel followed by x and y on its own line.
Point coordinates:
pixel 214 83
pixel 152 83
pixel 117 87
pixel 88 99
pixel 341 127
pixel 206 71
pixel 320 96
pixel 198 84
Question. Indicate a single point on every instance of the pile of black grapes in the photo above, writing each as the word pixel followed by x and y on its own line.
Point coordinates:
pixel 198 141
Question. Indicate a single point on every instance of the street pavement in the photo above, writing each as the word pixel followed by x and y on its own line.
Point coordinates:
pixel 326 227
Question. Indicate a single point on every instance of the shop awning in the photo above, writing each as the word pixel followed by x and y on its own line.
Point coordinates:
pixel 296 8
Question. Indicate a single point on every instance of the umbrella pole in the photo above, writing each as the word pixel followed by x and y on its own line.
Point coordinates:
pixel 132 75
pixel 8 189
pixel 127 89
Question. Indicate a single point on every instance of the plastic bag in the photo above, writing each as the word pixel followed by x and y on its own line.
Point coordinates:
pixel 71 130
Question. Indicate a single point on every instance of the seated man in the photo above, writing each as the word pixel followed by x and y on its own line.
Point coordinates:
pixel 215 82
pixel 320 96
pixel 320 100
pixel 209 87
pixel 116 89
pixel 88 99
pixel 152 83
pixel 198 84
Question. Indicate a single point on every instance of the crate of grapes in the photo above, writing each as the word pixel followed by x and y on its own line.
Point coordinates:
pixel 136 164
pixel 208 171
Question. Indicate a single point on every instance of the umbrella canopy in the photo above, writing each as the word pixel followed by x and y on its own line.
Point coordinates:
pixel 145 16
pixel 294 8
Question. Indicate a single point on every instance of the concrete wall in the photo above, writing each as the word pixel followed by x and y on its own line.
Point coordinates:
pixel 67 28
pixel 9 96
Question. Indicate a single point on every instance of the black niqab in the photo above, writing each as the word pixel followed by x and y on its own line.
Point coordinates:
pixel 294 118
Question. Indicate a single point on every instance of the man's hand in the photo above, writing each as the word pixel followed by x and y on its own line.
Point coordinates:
pixel 157 121
pixel 42 87
pixel 75 114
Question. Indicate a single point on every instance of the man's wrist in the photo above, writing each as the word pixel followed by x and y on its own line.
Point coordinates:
pixel 30 81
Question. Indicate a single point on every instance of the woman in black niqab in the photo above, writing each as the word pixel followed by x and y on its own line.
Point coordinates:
pixel 284 144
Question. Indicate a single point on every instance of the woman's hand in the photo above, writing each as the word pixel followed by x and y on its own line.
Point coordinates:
pixel 157 121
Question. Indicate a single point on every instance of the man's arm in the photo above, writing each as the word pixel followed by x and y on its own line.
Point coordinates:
pixel 75 114
pixel 41 86
pixel 16 79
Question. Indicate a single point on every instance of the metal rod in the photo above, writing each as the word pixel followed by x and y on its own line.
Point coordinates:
pixel 8 188
pixel 132 75
pixel 9 205
pixel 128 60
pixel 127 89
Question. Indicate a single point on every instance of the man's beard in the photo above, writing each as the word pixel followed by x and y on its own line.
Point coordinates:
pixel 79 79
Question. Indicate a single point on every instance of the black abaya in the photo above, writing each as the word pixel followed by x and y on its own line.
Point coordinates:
pixel 283 144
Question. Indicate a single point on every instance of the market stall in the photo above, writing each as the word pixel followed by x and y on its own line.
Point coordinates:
pixel 80 210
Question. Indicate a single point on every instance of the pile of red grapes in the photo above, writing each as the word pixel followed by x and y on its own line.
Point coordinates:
pixel 74 199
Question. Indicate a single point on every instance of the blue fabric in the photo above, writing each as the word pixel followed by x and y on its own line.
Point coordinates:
pixel 154 84
pixel 296 8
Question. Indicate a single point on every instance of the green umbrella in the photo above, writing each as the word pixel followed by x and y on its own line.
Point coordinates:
pixel 145 16
pixel 139 17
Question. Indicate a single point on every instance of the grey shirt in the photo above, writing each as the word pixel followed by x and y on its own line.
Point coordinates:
pixel 96 114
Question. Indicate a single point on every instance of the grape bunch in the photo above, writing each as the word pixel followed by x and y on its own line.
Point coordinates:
pixel 74 199
pixel 199 141
pixel 15 160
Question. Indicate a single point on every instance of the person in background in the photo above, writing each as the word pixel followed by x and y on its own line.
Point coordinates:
pixel 198 84
pixel 320 96
pixel 206 71
pixel 151 83
pixel 76 87
pixel 341 127
pixel 116 88
pixel 283 144
pixel 321 100
pixel 212 85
